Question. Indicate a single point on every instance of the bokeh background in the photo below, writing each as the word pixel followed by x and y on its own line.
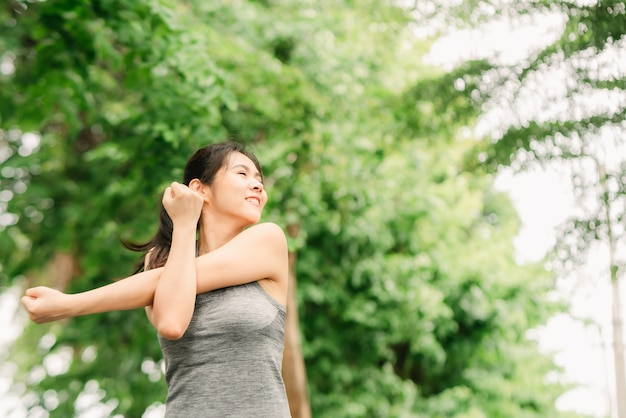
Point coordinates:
pixel 450 175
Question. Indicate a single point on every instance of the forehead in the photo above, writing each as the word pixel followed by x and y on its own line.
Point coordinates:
pixel 237 158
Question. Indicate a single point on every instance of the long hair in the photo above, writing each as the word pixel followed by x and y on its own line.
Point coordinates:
pixel 203 165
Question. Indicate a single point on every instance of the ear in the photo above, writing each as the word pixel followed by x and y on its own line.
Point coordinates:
pixel 198 187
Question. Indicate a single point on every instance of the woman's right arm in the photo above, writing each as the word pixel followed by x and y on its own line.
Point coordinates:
pixel 45 304
pixel 160 287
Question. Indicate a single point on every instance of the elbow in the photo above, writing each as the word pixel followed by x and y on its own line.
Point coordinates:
pixel 171 331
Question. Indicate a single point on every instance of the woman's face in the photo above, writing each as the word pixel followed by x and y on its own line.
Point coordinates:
pixel 238 191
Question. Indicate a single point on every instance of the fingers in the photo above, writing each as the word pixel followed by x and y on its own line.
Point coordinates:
pixel 182 203
pixel 173 190
pixel 28 299
pixel 28 303
pixel 167 195
pixel 34 291
pixel 176 190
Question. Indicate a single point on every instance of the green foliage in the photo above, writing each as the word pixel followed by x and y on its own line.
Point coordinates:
pixel 411 301
pixel 564 105
pixel 416 288
pixel 586 54
pixel 577 121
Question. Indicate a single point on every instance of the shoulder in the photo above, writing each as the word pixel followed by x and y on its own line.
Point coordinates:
pixel 274 255
pixel 268 241
pixel 268 231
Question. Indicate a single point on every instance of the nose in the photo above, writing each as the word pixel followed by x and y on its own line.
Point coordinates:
pixel 257 185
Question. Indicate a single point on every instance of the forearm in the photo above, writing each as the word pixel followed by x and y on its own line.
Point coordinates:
pixel 133 292
pixel 175 294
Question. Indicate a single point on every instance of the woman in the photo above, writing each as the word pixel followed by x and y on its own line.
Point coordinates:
pixel 214 290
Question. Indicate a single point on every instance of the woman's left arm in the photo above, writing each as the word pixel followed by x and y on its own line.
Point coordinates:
pixel 258 253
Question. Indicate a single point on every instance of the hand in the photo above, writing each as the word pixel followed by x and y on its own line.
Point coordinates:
pixel 182 203
pixel 45 304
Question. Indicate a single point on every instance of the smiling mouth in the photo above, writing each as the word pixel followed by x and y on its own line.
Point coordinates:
pixel 254 201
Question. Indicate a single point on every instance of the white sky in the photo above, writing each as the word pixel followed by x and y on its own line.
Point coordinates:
pixel 544 199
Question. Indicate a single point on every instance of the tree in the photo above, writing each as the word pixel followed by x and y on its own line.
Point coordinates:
pixel 577 120
pixel 115 88
pixel 408 291
pixel 368 182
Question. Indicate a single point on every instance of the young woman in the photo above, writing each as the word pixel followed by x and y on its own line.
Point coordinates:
pixel 214 289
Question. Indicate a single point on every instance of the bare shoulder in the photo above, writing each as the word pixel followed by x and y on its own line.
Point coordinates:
pixel 258 253
pixel 269 233
pixel 269 228
pixel 275 242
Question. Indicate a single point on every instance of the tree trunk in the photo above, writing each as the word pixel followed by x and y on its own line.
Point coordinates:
pixel 294 372
pixel 58 273
pixel 618 331
pixel 618 347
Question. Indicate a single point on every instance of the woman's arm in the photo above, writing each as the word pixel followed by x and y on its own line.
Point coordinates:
pixel 45 304
pixel 259 252
pixel 175 293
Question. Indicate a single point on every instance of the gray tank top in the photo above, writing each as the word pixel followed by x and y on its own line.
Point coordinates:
pixel 228 363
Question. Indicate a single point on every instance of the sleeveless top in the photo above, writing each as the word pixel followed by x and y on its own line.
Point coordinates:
pixel 228 362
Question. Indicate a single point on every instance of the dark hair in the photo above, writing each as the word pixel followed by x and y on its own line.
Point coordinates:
pixel 203 165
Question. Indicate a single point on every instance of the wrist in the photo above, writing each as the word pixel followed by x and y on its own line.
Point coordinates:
pixel 72 306
pixel 185 226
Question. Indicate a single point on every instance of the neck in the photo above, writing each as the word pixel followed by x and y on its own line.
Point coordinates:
pixel 214 233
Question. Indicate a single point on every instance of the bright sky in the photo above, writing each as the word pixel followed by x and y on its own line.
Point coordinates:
pixel 544 199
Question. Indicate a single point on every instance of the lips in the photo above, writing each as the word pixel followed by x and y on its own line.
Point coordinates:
pixel 254 200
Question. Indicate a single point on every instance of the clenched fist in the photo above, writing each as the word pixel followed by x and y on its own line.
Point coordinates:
pixel 45 304
pixel 182 204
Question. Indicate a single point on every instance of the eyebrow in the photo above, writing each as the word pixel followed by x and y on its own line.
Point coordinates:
pixel 247 169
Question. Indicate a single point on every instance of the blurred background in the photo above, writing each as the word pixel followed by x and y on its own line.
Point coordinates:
pixel 450 175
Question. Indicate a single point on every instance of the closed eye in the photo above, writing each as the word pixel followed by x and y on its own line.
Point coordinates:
pixel 244 171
